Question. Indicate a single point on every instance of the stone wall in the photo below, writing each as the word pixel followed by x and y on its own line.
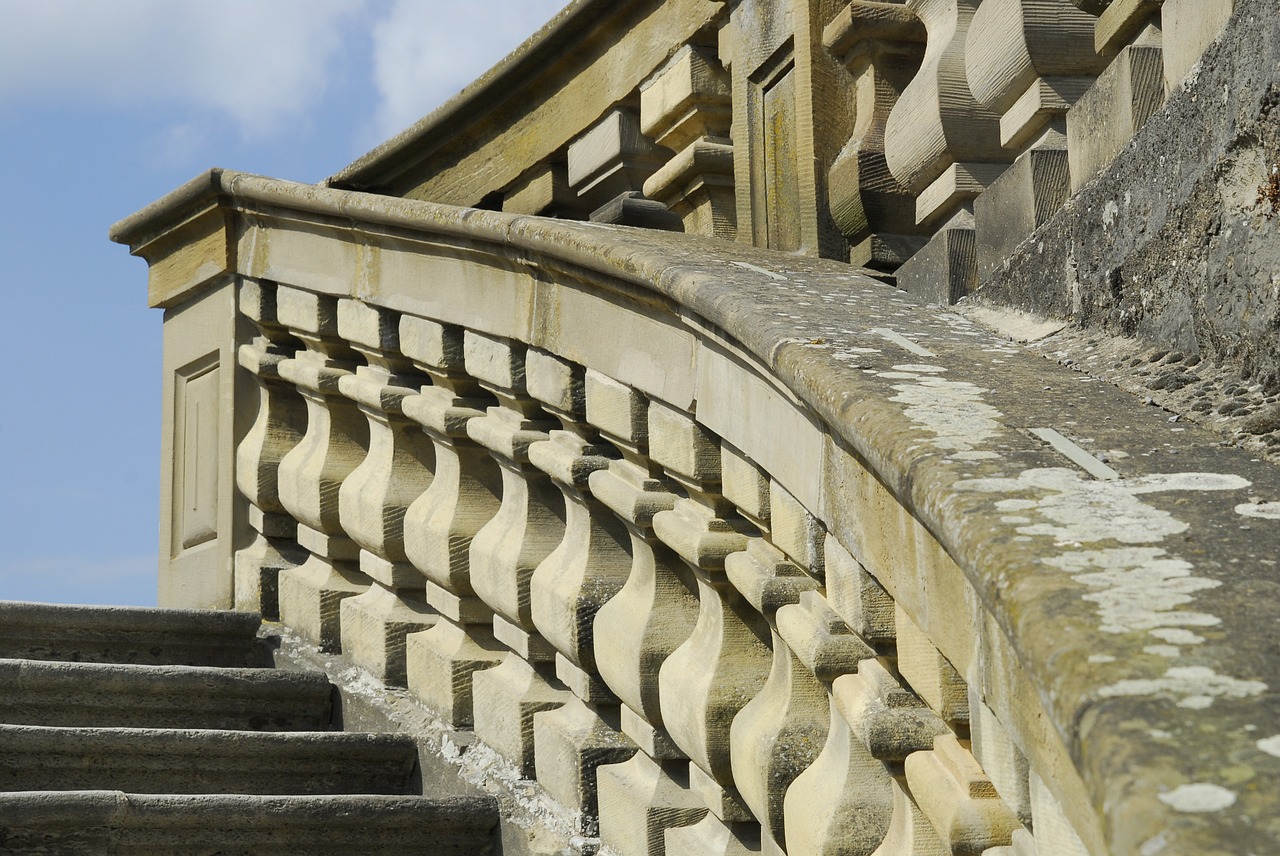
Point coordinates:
pixel 1178 240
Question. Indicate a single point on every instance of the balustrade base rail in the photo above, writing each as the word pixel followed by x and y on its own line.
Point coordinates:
pixel 731 551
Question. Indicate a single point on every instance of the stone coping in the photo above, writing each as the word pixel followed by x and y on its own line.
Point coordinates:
pixel 1129 559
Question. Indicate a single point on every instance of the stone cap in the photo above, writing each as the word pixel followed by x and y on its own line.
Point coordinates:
pixel 1142 607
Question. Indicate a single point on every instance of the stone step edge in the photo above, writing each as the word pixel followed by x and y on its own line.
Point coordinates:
pixel 531 819
pixel 55 809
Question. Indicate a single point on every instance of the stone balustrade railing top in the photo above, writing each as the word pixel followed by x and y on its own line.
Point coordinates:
pixel 731 550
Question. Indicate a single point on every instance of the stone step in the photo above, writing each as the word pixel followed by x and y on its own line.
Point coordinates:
pixel 192 761
pixel 89 823
pixel 129 634
pixel 34 692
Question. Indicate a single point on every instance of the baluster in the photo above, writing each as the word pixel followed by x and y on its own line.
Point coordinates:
pixel 568 588
pixel 374 497
pixel 1029 60
pixel 1126 93
pixel 959 800
pixel 527 527
pixel 945 148
pixel 311 474
pixel 881 44
pixel 778 733
pixel 280 424
pixel 608 165
pixel 851 800
pixel 685 107
pixel 441 523
pixel 637 629
pixel 725 662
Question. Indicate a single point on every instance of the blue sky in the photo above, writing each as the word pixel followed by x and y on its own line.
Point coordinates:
pixel 105 107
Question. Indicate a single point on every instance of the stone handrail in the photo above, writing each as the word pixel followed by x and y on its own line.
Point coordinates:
pixel 721 546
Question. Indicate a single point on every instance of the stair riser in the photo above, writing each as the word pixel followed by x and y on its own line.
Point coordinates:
pixel 38 759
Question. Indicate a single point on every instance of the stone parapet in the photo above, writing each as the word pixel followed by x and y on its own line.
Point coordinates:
pixel 785 561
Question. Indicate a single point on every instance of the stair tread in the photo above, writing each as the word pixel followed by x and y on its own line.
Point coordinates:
pixel 35 757
pixel 129 634
pixel 124 823
pixel 41 692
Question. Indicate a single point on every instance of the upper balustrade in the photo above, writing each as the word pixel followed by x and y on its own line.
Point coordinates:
pixel 730 550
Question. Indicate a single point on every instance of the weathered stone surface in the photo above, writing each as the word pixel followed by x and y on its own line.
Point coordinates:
pixel 1002 551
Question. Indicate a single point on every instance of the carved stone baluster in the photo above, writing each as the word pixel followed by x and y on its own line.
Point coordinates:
pixel 373 499
pixel 685 107
pixel 779 732
pixel 311 474
pixel 851 801
pixel 527 527
pixel 945 148
pixel 608 166
pixel 280 424
pixel 725 662
pixel 1028 60
pixel 959 800
pixel 568 588
pixel 1127 92
pixel 637 630
pixel 881 44
pixel 440 524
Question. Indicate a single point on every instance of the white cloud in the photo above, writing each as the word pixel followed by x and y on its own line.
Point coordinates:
pixel 260 64
pixel 424 52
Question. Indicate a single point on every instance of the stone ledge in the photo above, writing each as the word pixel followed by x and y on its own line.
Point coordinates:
pixel 1076 573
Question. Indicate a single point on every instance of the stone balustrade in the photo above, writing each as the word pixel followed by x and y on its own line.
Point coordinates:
pixel 724 567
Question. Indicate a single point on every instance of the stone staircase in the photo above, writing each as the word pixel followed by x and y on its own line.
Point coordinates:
pixel 130 730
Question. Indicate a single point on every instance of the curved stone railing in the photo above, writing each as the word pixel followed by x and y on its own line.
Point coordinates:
pixel 729 550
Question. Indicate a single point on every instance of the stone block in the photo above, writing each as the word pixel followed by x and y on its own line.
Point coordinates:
pixel 631 208
pixel 795 531
pixel 430 343
pixel 371 326
pixel 497 362
pixel 640 800
pixel 687 98
pixel 1187 27
pixel 858 597
pixel 1017 203
pixel 617 410
pixel 374 625
pixel 1054 833
pixel 745 485
pixel 307 312
pixel 543 190
pixel 440 663
pixel 956 796
pixel 311 596
pixel 929 673
pixel 555 382
pixel 612 157
pixel 682 446
pixel 946 269
pixel 505 699
pixel 1106 117
pixel 995 750
pixel 570 742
